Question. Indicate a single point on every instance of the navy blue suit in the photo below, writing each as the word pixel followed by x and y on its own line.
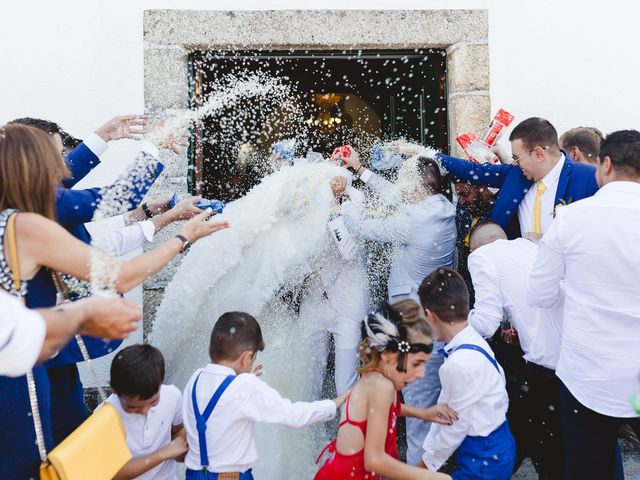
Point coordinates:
pixel 577 181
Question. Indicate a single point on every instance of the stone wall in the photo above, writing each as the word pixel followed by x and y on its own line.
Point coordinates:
pixel 169 36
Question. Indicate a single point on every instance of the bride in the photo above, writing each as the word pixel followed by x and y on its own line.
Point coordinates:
pixel 278 234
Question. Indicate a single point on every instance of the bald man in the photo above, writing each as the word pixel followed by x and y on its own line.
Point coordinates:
pixel 499 270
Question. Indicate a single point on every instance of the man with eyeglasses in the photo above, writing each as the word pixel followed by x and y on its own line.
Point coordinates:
pixel 540 178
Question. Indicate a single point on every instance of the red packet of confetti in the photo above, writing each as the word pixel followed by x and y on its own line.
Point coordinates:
pixel 502 120
pixel 338 153
pixel 477 150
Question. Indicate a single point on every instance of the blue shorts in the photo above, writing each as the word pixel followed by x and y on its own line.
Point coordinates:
pixel 201 475
pixel 492 457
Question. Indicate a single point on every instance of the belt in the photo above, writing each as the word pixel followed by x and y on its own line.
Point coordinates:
pixel 202 475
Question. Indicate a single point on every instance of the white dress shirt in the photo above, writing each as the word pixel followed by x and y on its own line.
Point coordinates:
pixel 525 209
pixel 473 387
pixel 592 246
pixel 96 144
pixel 500 272
pixel 230 429
pixel 117 238
pixel 22 334
pixel 113 235
pixel 148 433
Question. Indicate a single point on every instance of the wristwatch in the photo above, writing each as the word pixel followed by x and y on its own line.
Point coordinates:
pixel 186 244
pixel 145 209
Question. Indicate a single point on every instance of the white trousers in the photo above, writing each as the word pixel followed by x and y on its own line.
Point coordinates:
pixel 318 320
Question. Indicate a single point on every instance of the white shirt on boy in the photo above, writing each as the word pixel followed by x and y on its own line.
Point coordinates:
pixel 473 387
pixel 230 429
pixel 148 433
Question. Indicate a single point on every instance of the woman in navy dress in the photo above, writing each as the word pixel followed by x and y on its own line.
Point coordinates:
pixel 30 170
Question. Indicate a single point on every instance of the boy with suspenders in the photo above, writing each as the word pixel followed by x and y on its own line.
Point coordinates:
pixel 222 402
pixel 473 384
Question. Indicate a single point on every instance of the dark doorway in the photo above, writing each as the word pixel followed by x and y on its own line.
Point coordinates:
pixel 344 97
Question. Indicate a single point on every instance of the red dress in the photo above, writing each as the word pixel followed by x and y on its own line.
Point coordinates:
pixel 340 466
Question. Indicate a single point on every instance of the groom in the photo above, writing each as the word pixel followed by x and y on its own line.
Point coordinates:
pixel 423 234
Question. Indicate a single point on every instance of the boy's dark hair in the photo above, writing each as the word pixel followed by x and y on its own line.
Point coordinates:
pixel 623 148
pixel 233 334
pixel 445 293
pixel 49 127
pixel 137 371
pixel 431 175
pixel 534 132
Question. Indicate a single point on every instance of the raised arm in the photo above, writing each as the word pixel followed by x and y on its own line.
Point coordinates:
pixel 268 406
pixel 393 228
pixel 45 243
pixel 86 156
pixel 476 173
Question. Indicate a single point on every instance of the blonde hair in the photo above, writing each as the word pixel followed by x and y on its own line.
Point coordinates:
pixel 379 329
pixel 30 170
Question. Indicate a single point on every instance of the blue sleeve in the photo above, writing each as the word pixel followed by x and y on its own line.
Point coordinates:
pixel 81 160
pixel 75 207
pixel 476 173
pixel 130 188
pixel 97 347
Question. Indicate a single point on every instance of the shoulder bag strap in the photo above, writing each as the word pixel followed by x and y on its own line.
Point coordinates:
pixel 13 253
pixel 31 383
pixel 63 296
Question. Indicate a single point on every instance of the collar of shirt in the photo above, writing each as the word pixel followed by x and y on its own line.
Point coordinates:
pixel 463 336
pixel 215 369
pixel 619 186
pixel 554 174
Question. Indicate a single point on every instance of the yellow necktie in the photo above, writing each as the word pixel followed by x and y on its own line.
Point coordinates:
pixel 537 207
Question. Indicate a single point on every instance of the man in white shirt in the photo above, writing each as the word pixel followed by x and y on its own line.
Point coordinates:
pixel 473 384
pixel 591 246
pixel 31 336
pixel 227 399
pixel 499 269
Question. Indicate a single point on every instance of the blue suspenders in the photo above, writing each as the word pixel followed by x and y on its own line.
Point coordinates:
pixel 201 418
pixel 470 346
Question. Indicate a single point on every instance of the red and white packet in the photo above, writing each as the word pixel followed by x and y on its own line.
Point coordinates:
pixel 480 150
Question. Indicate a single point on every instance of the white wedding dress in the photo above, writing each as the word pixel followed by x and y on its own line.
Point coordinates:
pixel 278 230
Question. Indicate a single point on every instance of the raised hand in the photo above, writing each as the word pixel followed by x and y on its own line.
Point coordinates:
pixel 198 227
pixel 440 413
pixel 108 317
pixel 123 126
pixel 186 210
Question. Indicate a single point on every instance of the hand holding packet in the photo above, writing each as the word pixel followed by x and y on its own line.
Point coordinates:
pixel 285 149
pixel 339 153
pixel 216 206
pixel 385 158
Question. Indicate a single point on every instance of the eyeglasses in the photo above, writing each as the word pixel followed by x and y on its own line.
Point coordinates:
pixel 516 160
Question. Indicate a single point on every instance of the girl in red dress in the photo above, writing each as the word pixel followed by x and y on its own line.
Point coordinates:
pixel 397 343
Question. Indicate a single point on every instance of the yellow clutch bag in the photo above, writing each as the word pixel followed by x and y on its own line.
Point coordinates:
pixel 97 449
